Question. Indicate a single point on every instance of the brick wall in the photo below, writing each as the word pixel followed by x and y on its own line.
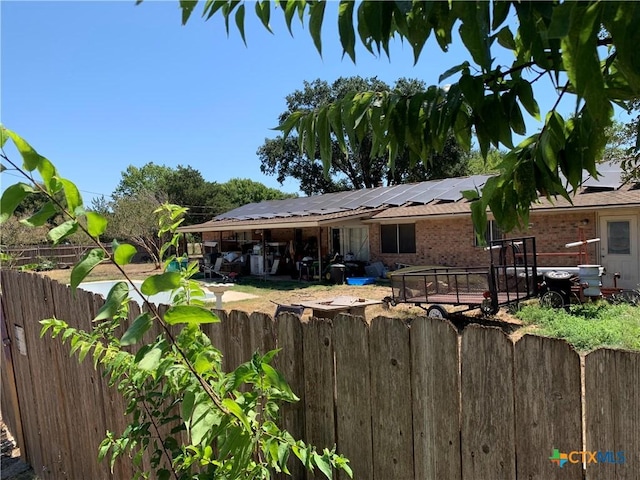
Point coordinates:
pixel 450 241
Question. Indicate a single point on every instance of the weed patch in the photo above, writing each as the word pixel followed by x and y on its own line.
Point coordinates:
pixel 589 326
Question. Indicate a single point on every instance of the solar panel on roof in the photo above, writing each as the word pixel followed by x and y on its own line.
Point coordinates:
pixel 607 179
pixel 424 192
pixel 325 211
pixel 384 195
pixel 400 198
pixel 454 194
pixel 361 199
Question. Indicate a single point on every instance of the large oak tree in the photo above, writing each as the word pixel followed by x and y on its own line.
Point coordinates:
pixel 357 166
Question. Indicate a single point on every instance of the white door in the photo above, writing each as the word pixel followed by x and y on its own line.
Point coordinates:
pixel 619 249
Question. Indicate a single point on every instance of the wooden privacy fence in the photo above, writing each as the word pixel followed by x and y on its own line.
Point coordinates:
pixel 61 254
pixel 401 401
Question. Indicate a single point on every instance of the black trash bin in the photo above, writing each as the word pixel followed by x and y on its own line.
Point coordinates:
pixel 559 281
pixel 338 271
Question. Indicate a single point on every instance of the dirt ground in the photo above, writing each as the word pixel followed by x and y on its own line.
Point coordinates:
pixel 11 467
pixel 267 299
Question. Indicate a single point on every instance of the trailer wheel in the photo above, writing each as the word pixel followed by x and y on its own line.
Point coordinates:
pixel 389 301
pixel 552 299
pixel 436 311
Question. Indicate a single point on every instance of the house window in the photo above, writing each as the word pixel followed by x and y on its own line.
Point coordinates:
pixel 492 233
pixel 351 240
pixel 400 238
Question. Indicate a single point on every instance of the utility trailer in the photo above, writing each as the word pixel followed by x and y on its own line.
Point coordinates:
pixel 511 277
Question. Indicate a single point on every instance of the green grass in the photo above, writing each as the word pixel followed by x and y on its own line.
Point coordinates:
pixel 587 326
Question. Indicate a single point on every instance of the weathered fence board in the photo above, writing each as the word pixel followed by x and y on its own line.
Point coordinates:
pixel 435 393
pixel 488 441
pixel 289 362
pixel 48 386
pixel 31 406
pixel 390 365
pixel 237 337
pixel 612 388
pixel 548 406
pixel 318 382
pixel 8 385
pixel 262 333
pixel 71 380
pixel 353 394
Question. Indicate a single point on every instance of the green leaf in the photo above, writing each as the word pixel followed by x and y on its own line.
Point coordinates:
pixel 163 282
pixel 123 253
pixel 72 194
pixel 453 70
pixel 62 231
pixel 345 28
pixel 204 421
pixel 39 218
pixel 525 93
pixel 505 38
pixel 324 130
pixel 474 32
pixel 500 13
pixel 263 10
pixel 191 314
pixel 137 329
pixel 277 380
pixel 11 198
pixel 187 7
pixel 3 136
pixel 116 296
pixel 323 464
pixel 151 360
pixel 472 88
pixel 316 16
pixel 240 22
pixel 237 412
pixel 560 21
pixel 580 57
pixel 85 265
pixel 96 224
pixel 188 403
pixel 30 158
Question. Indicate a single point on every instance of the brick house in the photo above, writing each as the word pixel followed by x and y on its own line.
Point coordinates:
pixel 430 224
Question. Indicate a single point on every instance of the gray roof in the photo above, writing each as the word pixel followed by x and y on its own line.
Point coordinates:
pixel 436 196
pixel 447 190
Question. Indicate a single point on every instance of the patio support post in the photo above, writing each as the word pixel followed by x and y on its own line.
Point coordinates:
pixel 320 254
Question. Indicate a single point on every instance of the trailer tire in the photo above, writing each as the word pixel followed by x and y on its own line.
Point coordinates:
pixel 389 301
pixel 437 311
pixel 552 299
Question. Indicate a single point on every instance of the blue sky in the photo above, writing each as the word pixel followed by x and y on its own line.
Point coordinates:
pixel 97 86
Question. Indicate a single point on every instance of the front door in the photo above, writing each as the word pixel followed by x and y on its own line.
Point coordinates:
pixel 619 249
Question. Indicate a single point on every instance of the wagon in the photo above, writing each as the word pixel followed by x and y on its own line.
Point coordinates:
pixel 511 277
